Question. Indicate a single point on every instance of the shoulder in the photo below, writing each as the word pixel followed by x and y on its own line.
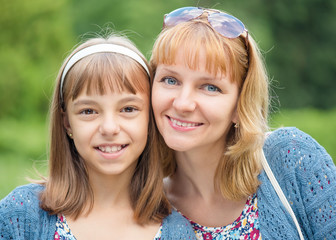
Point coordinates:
pixel 175 226
pixel 21 199
pixel 291 147
pixel 29 192
pixel 290 136
pixel 175 217
pixel 21 216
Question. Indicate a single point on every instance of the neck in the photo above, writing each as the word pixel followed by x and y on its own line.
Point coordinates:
pixel 109 191
pixel 196 171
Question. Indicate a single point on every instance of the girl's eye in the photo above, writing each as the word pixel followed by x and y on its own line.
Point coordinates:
pixel 211 88
pixel 170 80
pixel 128 109
pixel 88 112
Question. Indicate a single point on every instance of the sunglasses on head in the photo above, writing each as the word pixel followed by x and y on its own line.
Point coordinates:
pixel 226 25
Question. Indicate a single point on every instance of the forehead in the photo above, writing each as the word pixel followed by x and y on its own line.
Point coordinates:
pixel 110 97
pixel 109 101
pixel 197 44
pixel 197 61
pixel 191 59
pixel 105 72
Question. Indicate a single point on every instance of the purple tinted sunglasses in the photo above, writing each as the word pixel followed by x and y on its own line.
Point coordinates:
pixel 223 23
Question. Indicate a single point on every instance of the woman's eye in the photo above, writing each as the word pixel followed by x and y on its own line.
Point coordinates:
pixel 128 109
pixel 88 111
pixel 170 80
pixel 211 88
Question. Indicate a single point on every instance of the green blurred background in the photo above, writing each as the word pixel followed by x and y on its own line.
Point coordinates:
pixel 297 38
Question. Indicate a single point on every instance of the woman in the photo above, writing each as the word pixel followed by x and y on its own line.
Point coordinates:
pixel 210 102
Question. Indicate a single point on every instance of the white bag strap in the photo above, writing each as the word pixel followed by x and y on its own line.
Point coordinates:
pixel 280 192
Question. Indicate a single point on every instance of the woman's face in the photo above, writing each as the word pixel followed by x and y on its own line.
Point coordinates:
pixel 109 131
pixel 193 109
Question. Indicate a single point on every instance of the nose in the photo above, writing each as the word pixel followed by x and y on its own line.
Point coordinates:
pixel 184 100
pixel 109 125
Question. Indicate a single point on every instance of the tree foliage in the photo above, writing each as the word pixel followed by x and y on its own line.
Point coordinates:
pixel 34 36
pixel 303 59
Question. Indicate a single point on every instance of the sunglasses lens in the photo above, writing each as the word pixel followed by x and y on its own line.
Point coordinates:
pixel 182 15
pixel 226 25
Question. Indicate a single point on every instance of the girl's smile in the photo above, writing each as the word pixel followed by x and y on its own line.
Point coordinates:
pixel 111 149
pixel 111 152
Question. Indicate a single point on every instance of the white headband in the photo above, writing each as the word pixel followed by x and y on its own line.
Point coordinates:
pixel 99 48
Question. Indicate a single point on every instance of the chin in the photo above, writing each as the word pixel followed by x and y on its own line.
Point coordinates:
pixel 177 147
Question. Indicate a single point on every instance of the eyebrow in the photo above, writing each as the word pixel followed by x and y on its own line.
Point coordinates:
pixel 126 99
pixel 202 78
pixel 84 102
pixel 131 99
pixel 167 69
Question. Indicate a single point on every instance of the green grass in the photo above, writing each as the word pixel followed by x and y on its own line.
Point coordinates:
pixel 23 142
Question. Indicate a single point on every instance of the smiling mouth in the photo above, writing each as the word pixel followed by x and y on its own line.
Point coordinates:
pixel 112 149
pixel 183 123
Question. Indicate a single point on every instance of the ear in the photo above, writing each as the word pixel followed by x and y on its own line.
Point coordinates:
pixel 235 118
pixel 66 122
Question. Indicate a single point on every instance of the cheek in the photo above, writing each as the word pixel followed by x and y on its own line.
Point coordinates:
pixel 138 128
pixel 81 138
pixel 160 99
pixel 142 138
pixel 155 107
pixel 82 129
pixel 219 110
pixel 156 100
pixel 138 133
pixel 142 129
pixel 82 133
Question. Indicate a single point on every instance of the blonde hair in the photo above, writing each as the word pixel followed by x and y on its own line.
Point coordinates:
pixel 237 172
pixel 67 189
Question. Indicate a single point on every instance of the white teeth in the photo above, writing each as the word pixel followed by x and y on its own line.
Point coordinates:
pixel 110 149
pixel 183 124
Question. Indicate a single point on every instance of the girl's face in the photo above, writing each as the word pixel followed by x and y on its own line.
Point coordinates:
pixel 109 131
pixel 193 109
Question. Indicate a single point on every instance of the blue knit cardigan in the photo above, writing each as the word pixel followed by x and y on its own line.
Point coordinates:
pixel 304 170
pixel 21 218
pixel 307 176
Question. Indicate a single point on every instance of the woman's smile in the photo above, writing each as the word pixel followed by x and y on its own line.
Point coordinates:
pixel 183 125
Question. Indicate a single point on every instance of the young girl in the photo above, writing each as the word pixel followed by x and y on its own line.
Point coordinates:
pixel 210 102
pixel 105 179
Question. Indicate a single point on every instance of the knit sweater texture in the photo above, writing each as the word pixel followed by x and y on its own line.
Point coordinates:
pixel 304 170
pixel 307 176
pixel 21 218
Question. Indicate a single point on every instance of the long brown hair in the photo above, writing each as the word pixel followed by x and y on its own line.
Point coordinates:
pixel 67 189
pixel 237 172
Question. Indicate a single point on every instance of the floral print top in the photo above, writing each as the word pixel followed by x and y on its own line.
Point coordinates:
pixel 246 226
pixel 63 231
